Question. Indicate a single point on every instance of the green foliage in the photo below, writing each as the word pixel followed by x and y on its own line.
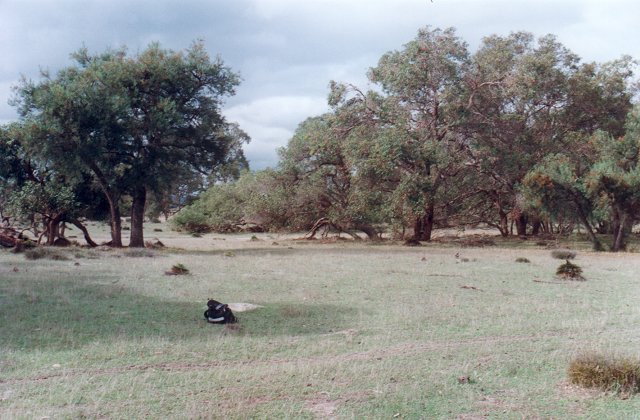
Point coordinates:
pixel 45 252
pixel 569 271
pixel 522 260
pixel 178 270
pixel 608 373
pixel 145 123
pixel 563 254
pixel 46 199
pixel 218 209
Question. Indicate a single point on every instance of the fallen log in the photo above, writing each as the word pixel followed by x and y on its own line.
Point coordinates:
pixel 8 241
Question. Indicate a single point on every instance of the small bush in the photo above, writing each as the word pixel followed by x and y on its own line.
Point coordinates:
pixel 607 373
pixel 522 260
pixel 155 244
pixel 569 271
pixel 177 270
pixel 157 230
pixel 254 238
pixel 43 252
pixel 563 254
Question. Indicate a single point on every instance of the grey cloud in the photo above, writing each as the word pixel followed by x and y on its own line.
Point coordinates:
pixel 288 50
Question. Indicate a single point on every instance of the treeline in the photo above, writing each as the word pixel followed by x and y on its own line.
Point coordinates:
pixel 116 134
pixel 521 135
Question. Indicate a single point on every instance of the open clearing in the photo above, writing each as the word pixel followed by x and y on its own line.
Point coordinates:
pixel 345 330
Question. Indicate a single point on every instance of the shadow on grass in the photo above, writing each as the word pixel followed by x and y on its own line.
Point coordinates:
pixel 296 319
pixel 67 314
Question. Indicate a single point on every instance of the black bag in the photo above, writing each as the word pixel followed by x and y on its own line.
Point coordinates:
pixel 219 313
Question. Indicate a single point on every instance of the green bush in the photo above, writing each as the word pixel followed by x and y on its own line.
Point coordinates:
pixel 563 254
pixel 569 271
pixel 607 373
pixel 177 270
pixel 522 260
pixel 45 252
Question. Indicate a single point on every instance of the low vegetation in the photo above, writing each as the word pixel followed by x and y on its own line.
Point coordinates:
pixel 344 329
pixel 177 270
pixel 569 271
pixel 563 254
pixel 608 373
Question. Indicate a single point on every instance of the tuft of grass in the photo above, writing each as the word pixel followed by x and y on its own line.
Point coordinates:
pixel 522 260
pixel 569 271
pixel 177 270
pixel 609 373
pixel 563 254
pixel 154 244
pixel 44 252
pixel 139 253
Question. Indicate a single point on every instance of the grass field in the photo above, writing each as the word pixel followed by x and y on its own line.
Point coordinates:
pixel 346 330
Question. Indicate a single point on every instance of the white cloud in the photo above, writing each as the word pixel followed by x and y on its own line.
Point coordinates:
pixel 271 122
pixel 288 50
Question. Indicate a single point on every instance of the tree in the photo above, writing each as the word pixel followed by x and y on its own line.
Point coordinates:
pixel 34 191
pixel 614 180
pixel 529 99
pixel 557 188
pixel 136 123
pixel 411 142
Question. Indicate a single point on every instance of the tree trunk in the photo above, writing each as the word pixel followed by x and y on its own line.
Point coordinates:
pixel 114 209
pixel 116 223
pixel 535 226
pixel 427 224
pixel 504 223
pixel 418 228
pixel 521 225
pixel 80 226
pixel 53 228
pixel 137 217
pixel 597 246
pixel 623 226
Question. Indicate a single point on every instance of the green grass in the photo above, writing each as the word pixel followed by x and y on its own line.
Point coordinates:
pixel 346 330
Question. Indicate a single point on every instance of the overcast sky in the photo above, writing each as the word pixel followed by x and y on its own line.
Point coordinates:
pixel 287 51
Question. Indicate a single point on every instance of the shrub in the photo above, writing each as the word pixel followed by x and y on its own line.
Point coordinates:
pixel 157 243
pixel 563 254
pixel 522 260
pixel 43 252
pixel 569 271
pixel 607 373
pixel 177 270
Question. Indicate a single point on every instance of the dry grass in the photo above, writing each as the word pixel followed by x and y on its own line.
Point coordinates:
pixel 344 330
pixel 46 252
pixel 608 373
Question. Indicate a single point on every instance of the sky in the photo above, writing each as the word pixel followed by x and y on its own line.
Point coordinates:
pixel 287 51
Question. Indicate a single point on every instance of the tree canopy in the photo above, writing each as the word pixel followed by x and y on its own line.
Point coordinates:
pixel 139 124
pixel 520 132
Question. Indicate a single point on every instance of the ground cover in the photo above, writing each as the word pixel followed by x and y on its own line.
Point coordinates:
pixel 345 330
